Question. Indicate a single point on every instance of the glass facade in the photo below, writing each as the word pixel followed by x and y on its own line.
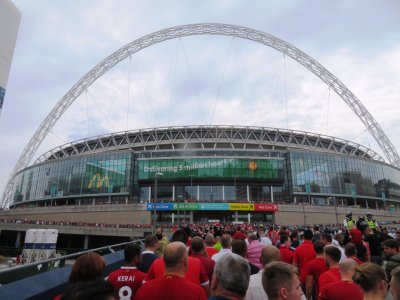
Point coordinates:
pixel 322 173
pixel 296 177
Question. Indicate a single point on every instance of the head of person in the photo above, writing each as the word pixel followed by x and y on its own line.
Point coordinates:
pixel 261 232
pixel 280 281
pixel 316 228
pixel 197 245
pixel 87 267
pixel 332 255
pixel 369 215
pixel 180 236
pixel 395 283
pixel 239 247
pixel 151 242
pixel 231 276
pixel 132 254
pixel 226 241
pixel 372 279
pixel 285 240
pixel 159 233
pixel 294 235
pixel 350 250
pixel 347 268
pixel 90 290
pixel 349 214
pixel 269 254
pixel 390 247
pixel 326 238
pixel 209 240
pixel 319 247
pixel 308 234
pixel 175 258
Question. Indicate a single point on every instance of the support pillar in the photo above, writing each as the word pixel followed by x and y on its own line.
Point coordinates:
pixel 18 240
pixel 248 218
pixel 191 217
pixel 86 242
pixel 172 218
pixel 236 216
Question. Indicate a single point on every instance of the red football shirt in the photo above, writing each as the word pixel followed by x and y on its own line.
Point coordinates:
pixel 315 268
pixel 342 290
pixel 211 251
pixel 170 287
pixel 302 255
pixel 286 254
pixel 127 281
pixel 195 271
pixel 356 236
pixel 330 276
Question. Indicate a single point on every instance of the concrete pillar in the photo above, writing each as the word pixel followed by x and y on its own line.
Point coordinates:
pixel 18 240
pixel 236 216
pixel 191 217
pixel 272 193
pixel 172 218
pixel 86 242
pixel 248 218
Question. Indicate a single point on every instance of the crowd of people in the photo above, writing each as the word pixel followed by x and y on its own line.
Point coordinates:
pixel 358 260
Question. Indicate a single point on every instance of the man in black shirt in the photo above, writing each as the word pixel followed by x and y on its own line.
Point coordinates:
pixel 374 240
pixel 148 256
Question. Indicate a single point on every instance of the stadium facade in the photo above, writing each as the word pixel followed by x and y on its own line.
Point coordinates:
pixel 203 173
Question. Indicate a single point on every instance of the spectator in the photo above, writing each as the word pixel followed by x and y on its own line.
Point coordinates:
pixel 256 290
pixel 317 234
pixel 239 247
pixel 172 285
pixel 326 238
pixel 87 267
pixel 374 240
pixel 284 249
pixel 217 245
pixel 395 283
pixel 373 280
pixel 294 236
pixel 350 250
pixel 280 281
pixel 391 249
pixel 197 247
pixel 303 254
pixel 209 240
pixel 345 288
pixel 314 269
pixel 262 238
pixel 162 241
pixel 226 243
pixel 332 257
pixel 231 278
pixel 90 290
pixel 254 251
pixel 148 255
pixel 128 279
pixel 195 270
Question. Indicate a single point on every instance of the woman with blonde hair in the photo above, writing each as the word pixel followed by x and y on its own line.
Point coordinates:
pixel 373 280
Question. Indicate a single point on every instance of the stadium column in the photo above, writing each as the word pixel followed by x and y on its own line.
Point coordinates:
pixel 191 217
pixel 236 216
pixel 86 242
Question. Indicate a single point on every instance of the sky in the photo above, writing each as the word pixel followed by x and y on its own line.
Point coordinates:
pixel 200 80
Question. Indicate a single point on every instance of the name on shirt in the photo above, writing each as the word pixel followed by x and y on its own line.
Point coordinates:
pixel 125 278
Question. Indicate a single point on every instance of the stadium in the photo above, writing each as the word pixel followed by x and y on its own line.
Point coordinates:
pixel 205 173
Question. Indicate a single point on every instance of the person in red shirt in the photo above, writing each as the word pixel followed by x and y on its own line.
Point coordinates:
pixel 128 279
pixel 172 285
pixel 197 248
pixel 195 270
pixel 332 257
pixel 303 254
pixel 209 240
pixel 315 268
pixel 346 288
pixel 284 249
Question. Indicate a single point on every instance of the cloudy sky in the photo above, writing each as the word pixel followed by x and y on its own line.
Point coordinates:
pixel 201 79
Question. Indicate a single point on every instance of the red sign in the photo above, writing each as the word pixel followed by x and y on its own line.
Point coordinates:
pixel 266 207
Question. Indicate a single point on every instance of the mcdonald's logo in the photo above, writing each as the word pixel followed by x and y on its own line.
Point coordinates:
pixel 98 181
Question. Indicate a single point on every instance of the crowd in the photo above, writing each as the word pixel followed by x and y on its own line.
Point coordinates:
pixel 355 261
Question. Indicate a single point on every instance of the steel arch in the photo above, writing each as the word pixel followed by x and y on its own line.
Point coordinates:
pixel 201 29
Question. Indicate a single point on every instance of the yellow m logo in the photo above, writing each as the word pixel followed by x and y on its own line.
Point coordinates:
pixel 97 181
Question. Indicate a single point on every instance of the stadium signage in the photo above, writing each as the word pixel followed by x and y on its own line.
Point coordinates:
pixel 214 206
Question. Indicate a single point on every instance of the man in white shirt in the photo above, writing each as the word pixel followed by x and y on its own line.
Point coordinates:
pixel 226 243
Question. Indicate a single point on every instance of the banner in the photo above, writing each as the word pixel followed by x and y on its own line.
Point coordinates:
pixel 266 207
pixel 214 206
pixel 241 206
pixel 160 206
pixel 193 168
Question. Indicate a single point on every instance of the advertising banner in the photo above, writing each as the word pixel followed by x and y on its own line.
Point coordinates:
pixel 214 206
pixel 271 169
pixel 266 207
pixel 186 206
pixel 160 206
pixel 241 206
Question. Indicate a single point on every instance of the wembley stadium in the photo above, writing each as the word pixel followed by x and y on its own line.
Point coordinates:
pixel 203 173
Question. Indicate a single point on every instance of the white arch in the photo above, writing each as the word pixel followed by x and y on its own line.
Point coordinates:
pixel 200 29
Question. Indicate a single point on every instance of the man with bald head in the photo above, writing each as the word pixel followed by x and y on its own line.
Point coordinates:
pixel 346 288
pixel 173 285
